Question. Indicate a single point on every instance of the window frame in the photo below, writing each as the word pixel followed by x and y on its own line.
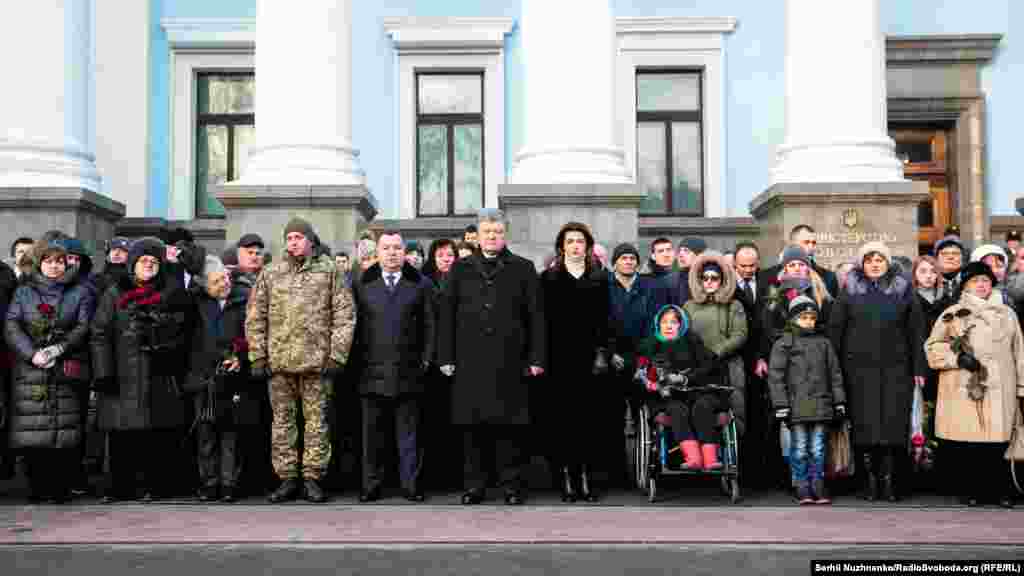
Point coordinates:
pixel 202 120
pixel 667 118
pixel 450 121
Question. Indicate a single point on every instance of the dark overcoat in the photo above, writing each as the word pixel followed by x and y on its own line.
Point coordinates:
pixel 876 330
pixel 576 321
pixel 394 331
pixel 218 334
pixel 492 330
pixel 140 356
pixel 45 408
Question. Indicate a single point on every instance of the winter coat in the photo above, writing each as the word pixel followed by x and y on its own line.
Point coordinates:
pixel 995 340
pixel 140 355
pixel 630 313
pixel 492 330
pixel 930 311
pixel 686 352
pixel 8 284
pixel 775 306
pixel 394 333
pixel 45 409
pixel 805 376
pixel 300 315
pixel 576 318
pixel 719 320
pixel 109 277
pixel 218 334
pixel 876 330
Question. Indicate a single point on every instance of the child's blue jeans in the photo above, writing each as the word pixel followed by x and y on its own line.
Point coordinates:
pixel 807 459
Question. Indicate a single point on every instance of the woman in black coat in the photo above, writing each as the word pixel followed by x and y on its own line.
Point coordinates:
pixel 576 299
pixel 227 402
pixel 442 468
pixel 139 354
pixel 876 330
pixel 47 328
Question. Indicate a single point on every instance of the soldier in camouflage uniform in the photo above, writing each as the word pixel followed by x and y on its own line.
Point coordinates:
pixel 299 325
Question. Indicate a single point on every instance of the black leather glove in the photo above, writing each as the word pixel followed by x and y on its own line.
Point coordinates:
pixel 840 411
pixel 600 362
pixel 332 370
pixel 782 414
pixel 260 370
pixel 968 362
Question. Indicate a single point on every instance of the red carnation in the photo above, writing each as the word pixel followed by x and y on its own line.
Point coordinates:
pixel 775 281
pixel 917 440
pixel 642 362
pixel 239 345
pixel 652 374
pixel 45 309
pixel 792 293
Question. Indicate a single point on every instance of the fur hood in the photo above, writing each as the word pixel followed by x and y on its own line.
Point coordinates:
pixel 891 283
pixel 725 292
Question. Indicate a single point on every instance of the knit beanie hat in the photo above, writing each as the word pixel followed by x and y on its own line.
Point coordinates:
pixel 622 250
pixel 987 250
pixel 976 269
pixel 874 248
pixel 792 253
pixel 301 226
pixel 695 245
pixel 148 246
pixel 711 266
pixel 801 304
pixel 946 241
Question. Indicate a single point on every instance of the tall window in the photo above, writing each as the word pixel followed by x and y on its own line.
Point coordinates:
pixel 449 143
pixel 225 128
pixel 669 137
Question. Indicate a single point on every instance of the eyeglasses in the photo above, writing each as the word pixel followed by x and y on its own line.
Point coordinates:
pixel 711 277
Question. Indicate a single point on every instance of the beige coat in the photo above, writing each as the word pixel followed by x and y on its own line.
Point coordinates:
pixel 997 343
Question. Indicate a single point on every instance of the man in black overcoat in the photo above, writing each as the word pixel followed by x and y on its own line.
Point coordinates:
pixel 492 338
pixel 395 326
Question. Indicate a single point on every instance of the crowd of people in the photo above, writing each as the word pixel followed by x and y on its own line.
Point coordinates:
pixel 238 373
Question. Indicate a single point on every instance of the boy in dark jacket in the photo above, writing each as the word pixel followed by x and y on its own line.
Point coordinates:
pixel 674 355
pixel 806 385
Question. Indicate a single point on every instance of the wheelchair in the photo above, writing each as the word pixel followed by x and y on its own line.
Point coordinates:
pixel 651 452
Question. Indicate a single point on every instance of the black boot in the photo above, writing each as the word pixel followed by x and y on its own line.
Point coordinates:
pixel 288 490
pixel 888 476
pixel 314 493
pixel 568 490
pixel 586 490
pixel 870 489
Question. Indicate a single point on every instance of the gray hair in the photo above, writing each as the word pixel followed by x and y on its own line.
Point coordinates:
pixel 210 264
pixel 491 215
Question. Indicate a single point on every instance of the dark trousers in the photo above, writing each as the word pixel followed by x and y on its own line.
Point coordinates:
pixel 143 461
pixel 502 444
pixel 696 420
pixel 979 469
pixel 51 471
pixel 219 456
pixel 404 412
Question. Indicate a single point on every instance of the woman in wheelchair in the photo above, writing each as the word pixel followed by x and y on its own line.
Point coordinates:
pixel 675 356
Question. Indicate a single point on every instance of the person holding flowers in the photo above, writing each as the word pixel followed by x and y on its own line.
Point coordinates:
pixel 226 399
pixel 47 329
pixel 139 354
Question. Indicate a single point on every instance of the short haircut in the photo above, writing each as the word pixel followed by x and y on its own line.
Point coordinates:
pixel 659 240
pixel 471 229
pixel 798 229
pixel 747 244
pixel 391 232
pixel 492 215
pixel 460 246
pixel 341 253
pixel 22 240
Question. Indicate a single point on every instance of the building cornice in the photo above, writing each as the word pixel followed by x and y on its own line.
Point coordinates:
pixel 675 24
pixel 198 33
pixel 941 49
pixel 440 33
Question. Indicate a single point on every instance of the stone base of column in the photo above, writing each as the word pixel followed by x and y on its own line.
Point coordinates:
pixel 537 211
pixel 845 215
pixel 337 213
pixel 78 212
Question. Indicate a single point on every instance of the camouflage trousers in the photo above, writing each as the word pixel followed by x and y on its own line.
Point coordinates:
pixel 287 391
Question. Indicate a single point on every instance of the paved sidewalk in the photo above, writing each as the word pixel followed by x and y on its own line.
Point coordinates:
pixel 433 524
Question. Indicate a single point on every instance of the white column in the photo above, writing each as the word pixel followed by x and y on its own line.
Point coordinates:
pixel 569 82
pixel 835 95
pixel 46 61
pixel 303 95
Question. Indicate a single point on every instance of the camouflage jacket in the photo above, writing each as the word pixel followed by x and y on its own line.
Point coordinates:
pixel 300 315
